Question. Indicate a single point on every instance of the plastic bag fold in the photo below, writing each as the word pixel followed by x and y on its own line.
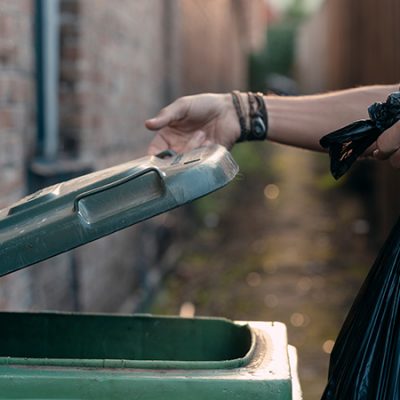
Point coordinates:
pixel 365 361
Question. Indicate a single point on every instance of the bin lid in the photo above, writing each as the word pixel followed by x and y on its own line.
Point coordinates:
pixel 69 214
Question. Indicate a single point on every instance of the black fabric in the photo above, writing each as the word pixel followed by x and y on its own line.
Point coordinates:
pixel 365 361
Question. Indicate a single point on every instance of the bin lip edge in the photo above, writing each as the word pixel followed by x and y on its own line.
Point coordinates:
pixel 228 364
pixel 124 315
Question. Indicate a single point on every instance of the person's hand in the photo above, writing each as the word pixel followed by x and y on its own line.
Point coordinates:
pixel 194 121
pixel 388 146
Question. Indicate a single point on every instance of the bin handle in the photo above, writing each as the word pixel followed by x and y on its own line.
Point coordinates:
pixel 118 182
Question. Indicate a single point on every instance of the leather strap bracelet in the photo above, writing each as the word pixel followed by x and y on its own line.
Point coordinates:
pixel 258 117
pixel 237 103
pixel 254 123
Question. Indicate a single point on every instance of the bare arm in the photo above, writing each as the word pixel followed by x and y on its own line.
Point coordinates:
pixel 297 121
pixel 302 121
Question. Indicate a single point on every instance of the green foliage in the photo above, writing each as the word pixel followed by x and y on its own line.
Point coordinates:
pixel 250 157
pixel 297 11
pixel 280 49
pixel 278 55
pixel 327 182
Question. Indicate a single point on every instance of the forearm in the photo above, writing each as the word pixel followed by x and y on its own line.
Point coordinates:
pixel 302 121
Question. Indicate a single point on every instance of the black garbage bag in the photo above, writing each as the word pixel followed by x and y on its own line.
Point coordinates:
pixel 365 361
pixel 348 143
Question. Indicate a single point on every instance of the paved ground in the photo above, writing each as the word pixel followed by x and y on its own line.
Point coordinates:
pixel 283 242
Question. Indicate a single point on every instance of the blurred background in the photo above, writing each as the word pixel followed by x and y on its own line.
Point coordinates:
pixel 283 242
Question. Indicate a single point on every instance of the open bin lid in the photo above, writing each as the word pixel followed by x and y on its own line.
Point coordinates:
pixel 69 214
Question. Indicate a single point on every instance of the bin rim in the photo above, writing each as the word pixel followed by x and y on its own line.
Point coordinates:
pixel 109 363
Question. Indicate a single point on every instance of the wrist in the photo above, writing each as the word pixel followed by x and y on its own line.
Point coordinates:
pixel 251 115
pixel 232 117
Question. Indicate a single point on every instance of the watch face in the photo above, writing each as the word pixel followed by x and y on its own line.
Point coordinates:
pixel 258 128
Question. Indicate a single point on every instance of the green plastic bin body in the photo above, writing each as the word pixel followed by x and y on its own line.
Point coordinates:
pixel 104 357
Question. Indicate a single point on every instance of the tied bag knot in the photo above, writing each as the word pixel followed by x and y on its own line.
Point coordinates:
pixel 346 144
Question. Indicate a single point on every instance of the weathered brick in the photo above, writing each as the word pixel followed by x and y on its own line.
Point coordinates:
pixel 16 103
pixel 70 52
pixel 6 118
pixel 8 52
pixel 70 7
pixel 7 26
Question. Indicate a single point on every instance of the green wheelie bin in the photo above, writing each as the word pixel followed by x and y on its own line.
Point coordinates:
pixel 105 357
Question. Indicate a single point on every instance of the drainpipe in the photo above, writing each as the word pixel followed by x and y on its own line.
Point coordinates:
pixel 47 67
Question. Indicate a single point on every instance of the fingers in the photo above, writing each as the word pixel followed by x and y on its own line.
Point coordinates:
pixel 173 112
pixel 157 145
pixel 388 146
pixel 370 151
pixel 395 159
pixel 388 143
pixel 196 140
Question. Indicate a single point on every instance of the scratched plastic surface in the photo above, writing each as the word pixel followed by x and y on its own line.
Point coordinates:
pixel 72 213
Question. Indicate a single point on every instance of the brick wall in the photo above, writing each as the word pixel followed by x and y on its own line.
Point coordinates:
pixel 16 122
pixel 16 95
pixel 120 62
pixel 120 76
pixel 112 76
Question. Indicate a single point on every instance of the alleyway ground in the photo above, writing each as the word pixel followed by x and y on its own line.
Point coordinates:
pixel 283 242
